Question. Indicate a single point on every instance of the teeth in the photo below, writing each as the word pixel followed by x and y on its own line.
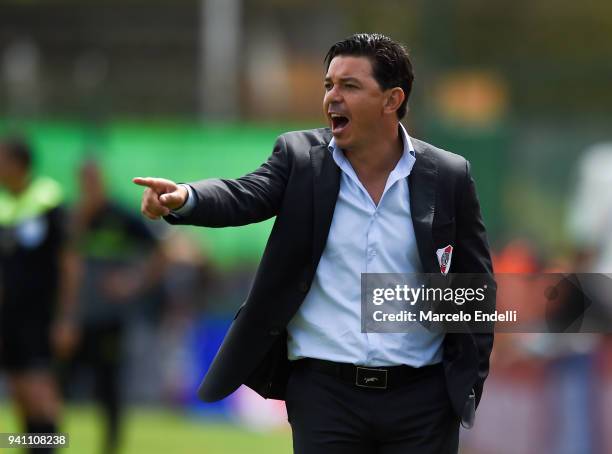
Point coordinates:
pixel 336 115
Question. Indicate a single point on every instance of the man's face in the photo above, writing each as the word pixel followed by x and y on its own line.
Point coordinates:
pixel 353 101
pixel 12 173
pixel 7 168
pixel 91 183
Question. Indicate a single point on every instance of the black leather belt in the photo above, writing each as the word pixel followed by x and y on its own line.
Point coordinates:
pixel 368 377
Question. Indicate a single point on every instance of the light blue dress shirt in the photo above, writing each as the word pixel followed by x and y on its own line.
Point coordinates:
pixel 363 238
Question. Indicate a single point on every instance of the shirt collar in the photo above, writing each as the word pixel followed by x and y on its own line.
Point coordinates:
pixel 402 168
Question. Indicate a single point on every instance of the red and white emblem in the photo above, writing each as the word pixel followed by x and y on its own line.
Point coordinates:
pixel 445 255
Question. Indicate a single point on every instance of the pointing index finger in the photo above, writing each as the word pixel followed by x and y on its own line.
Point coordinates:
pixel 140 181
pixel 148 182
pixel 158 185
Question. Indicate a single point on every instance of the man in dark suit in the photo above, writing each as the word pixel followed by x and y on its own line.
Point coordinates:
pixel 358 197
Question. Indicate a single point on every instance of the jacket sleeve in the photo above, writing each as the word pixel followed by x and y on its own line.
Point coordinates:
pixel 254 197
pixel 473 256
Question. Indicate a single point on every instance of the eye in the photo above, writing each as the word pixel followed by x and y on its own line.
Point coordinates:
pixel 328 86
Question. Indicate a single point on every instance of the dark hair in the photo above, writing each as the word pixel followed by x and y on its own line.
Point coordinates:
pixel 18 150
pixel 390 62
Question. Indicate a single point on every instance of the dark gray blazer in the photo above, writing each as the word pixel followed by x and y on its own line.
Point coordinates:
pixel 299 184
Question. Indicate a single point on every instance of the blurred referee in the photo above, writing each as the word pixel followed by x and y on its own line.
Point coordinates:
pixel 37 283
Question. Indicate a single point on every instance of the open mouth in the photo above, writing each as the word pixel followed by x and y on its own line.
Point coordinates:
pixel 338 122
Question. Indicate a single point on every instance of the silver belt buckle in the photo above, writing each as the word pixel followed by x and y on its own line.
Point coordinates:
pixel 366 377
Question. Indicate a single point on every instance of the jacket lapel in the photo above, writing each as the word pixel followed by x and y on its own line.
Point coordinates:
pixel 326 185
pixel 422 183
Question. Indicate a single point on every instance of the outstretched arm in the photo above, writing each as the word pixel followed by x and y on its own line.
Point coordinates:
pixel 254 197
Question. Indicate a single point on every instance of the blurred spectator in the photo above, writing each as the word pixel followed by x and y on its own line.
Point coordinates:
pixel 190 281
pixel 122 263
pixel 590 212
pixel 590 231
pixel 37 287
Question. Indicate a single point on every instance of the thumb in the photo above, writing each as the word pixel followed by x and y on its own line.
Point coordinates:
pixel 173 200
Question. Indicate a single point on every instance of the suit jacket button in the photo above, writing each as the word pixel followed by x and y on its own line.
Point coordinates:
pixel 303 287
pixel 274 332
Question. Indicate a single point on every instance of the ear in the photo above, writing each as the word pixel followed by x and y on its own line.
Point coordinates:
pixel 394 99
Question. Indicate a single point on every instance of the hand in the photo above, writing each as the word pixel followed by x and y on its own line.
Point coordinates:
pixel 65 336
pixel 160 196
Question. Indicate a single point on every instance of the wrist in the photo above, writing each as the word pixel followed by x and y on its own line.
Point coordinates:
pixel 189 201
pixel 185 193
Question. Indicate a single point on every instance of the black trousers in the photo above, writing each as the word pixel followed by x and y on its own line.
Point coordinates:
pixel 101 352
pixel 331 416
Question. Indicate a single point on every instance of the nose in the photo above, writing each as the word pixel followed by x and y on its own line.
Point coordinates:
pixel 333 95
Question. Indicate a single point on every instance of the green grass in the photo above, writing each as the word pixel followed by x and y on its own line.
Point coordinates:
pixel 154 430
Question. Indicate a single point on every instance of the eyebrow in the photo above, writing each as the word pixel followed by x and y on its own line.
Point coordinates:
pixel 344 79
